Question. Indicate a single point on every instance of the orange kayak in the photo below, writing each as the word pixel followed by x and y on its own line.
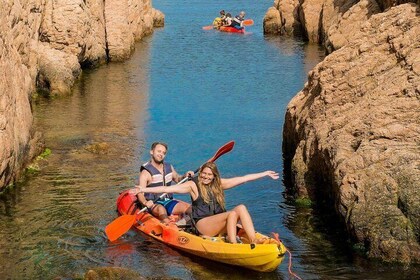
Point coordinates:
pixel 260 257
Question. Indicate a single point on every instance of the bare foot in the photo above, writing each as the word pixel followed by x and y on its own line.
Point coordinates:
pixel 262 240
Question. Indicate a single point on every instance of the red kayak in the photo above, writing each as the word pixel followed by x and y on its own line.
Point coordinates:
pixel 231 29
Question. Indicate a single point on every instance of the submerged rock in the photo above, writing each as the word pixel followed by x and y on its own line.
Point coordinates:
pixel 112 273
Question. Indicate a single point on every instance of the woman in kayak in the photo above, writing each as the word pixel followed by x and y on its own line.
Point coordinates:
pixel 208 202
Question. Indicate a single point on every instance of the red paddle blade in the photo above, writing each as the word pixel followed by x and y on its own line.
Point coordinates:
pixel 119 226
pixel 223 150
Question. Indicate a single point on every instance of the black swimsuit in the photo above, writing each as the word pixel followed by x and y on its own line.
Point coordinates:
pixel 201 209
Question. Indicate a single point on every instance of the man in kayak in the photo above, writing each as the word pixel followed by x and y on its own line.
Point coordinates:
pixel 208 202
pixel 238 20
pixel 155 173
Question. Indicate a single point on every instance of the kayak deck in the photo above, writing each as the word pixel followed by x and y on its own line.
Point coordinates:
pixel 260 257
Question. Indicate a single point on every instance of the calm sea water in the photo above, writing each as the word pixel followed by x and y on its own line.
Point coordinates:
pixel 196 90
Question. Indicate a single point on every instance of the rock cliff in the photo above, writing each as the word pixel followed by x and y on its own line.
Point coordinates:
pixel 44 44
pixel 329 22
pixel 352 135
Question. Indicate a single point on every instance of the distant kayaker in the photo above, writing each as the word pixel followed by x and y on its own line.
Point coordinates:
pixel 220 20
pixel 238 20
pixel 208 202
pixel 155 173
pixel 222 15
pixel 228 20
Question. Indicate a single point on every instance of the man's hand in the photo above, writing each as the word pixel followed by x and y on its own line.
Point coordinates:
pixel 149 204
pixel 189 174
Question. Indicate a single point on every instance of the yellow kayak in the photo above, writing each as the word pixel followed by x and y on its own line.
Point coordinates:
pixel 260 257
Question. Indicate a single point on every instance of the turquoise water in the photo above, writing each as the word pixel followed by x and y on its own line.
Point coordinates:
pixel 196 90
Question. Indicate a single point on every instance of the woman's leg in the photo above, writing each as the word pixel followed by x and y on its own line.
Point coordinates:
pixel 227 221
pixel 232 220
pixel 242 214
pixel 213 225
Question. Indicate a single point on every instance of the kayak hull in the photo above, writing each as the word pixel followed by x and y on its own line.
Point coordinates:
pixel 231 29
pixel 260 257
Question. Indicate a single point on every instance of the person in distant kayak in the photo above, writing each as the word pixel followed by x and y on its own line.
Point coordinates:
pixel 238 21
pixel 219 21
pixel 228 20
pixel 222 16
pixel 155 173
pixel 208 202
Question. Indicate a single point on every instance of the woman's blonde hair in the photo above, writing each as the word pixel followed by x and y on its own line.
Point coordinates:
pixel 215 186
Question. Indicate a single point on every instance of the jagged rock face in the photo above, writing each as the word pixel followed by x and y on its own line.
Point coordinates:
pixel 18 67
pixel 44 44
pixel 158 18
pixel 76 28
pixel 351 18
pixel 126 22
pixel 285 20
pixel 309 16
pixel 353 134
pixel 272 22
pixel 329 22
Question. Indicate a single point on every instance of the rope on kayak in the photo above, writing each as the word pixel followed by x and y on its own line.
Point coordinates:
pixel 276 237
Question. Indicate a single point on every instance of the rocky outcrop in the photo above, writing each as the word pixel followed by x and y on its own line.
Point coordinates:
pixel 282 18
pixel 353 133
pixel 328 22
pixel 271 23
pixel 158 18
pixel 44 45
pixel 18 141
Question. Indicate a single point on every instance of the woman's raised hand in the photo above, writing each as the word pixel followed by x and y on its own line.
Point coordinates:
pixel 274 175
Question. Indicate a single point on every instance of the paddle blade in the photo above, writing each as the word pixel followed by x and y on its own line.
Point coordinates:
pixel 223 150
pixel 248 22
pixel 208 27
pixel 119 226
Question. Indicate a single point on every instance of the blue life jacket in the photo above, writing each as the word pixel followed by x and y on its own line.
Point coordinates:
pixel 158 179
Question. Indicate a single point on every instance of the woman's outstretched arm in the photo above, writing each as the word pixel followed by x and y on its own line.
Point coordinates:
pixel 181 188
pixel 236 181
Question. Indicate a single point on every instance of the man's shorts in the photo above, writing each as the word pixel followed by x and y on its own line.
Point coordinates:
pixel 168 203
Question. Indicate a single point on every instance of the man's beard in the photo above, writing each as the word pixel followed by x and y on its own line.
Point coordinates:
pixel 158 161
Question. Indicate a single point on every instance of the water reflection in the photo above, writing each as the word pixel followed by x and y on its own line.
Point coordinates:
pixel 57 216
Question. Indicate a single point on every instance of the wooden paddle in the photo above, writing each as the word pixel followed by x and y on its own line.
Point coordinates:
pixel 247 22
pixel 124 222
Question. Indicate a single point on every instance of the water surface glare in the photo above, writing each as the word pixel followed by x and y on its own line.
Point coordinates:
pixel 196 90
